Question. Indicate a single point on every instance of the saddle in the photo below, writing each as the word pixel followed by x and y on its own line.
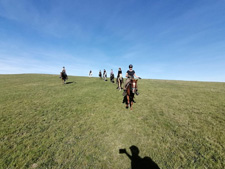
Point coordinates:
pixel 128 84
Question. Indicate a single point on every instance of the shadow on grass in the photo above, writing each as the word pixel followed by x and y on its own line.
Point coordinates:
pixel 136 161
pixel 70 82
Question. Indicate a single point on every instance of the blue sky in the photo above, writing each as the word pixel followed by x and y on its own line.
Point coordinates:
pixel 176 39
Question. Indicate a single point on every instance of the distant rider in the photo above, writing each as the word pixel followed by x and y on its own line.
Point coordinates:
pixel 111 73
pixel 63 75
pixel 90 73
pixel 100 74
pixel 63 72
pixel 119 72
pixel 104 74
pixel 119 77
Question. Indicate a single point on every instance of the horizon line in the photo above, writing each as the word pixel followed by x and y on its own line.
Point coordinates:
pixel 109 77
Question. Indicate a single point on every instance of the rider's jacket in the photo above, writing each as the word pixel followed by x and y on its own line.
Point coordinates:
pixel 131 73
pixel 119 72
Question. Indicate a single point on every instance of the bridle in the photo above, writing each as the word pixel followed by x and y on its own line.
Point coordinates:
pixel 133 85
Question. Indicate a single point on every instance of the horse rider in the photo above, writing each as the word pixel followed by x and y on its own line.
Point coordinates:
pixel 104 74
pixel 100 74
pixel 119 72
pixel 111 73
pixel 63 75
pixel 90 73
pixel 63 71
pixel 119 75
pixel 130 74
pixel 112 76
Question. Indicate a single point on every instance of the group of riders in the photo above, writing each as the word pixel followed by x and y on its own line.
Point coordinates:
pixel 130 74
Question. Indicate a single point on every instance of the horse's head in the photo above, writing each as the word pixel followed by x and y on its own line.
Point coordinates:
pixel 133 85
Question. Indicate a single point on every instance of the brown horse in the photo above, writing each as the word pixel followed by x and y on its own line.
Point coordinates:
pixel 131 90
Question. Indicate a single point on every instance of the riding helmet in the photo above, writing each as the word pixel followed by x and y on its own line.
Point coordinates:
pixel 130 66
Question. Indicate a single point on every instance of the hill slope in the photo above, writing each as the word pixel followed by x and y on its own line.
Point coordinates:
pixel 45 124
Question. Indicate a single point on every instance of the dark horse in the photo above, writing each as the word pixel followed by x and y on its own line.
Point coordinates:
pixel 131 90
pixel 63 76
pixel 112 78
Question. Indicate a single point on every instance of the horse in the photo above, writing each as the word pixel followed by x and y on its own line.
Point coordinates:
pixel 64 77
pixel 131 90
pixel 112 78
pixel 120 82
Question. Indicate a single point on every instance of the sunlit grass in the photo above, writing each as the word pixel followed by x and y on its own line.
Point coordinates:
pixel 45 124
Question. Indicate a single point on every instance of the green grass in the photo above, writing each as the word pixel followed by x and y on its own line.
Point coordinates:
pixel 44 124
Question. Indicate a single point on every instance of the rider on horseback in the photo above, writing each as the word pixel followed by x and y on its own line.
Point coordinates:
pixel 63 75
pixel 130 74
pixel 119 79
pixel 90 73
pixel 105 75
pixel 119 72
pixel 63 72
pixel 100 73
pixel 112 76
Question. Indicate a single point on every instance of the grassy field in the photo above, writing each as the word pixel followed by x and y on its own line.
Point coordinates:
pixel 82 125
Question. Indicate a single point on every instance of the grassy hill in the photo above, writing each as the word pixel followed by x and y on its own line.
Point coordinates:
pixel 45 124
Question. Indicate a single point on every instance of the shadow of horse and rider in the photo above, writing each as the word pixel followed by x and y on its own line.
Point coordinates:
pixel 136 161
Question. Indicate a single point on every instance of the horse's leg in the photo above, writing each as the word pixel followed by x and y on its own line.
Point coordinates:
pixel 131 104
pixel 119 84
pixel 127 105
pixel 131 101
pixel 128 100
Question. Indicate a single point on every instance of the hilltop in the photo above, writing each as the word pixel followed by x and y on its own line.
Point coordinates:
pixel 83 124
